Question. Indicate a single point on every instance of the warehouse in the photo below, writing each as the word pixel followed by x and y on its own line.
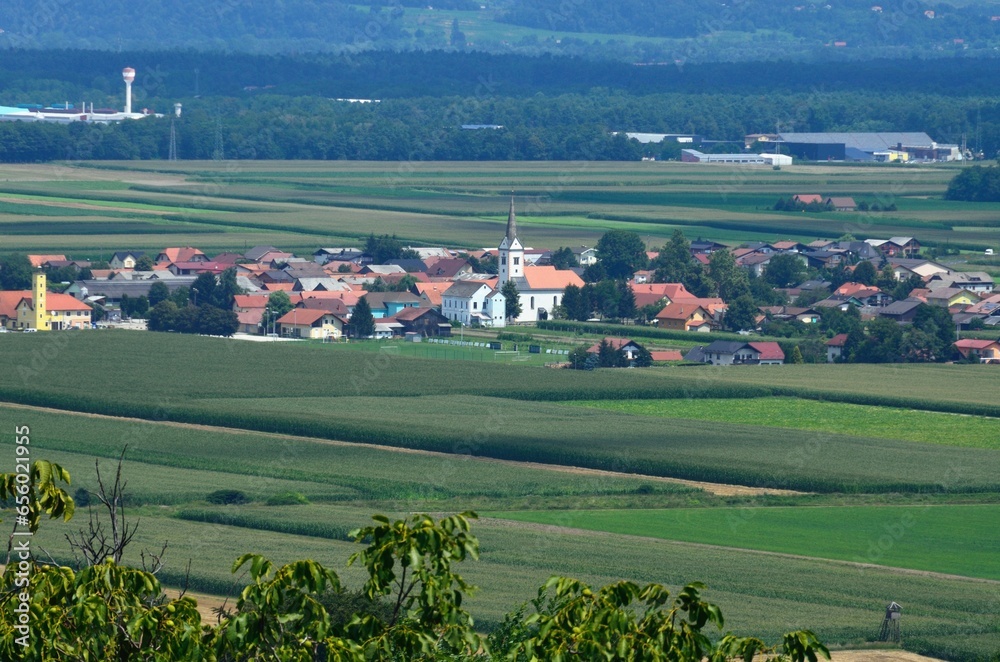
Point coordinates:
pixel 694 156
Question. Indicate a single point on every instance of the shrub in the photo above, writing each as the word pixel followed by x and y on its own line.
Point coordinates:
pixel 227 498
pixel 287 499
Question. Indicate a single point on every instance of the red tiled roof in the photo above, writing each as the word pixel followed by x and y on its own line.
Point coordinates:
pixel 667 355
pixel 806 199
pixel 616 343
pixel 971 343
pixel 302 316
pixel 250 300
pixel 680 310
pixel 769 351
pixel 838 340
pixel 550 278
pixel 40 260
pixel 185 254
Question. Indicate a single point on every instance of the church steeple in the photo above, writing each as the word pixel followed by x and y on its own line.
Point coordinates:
pixel 511 262
pixel 511 222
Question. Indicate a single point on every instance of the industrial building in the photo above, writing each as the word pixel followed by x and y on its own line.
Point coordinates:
pixel 878 147
pixel 66 112
pixel 694 156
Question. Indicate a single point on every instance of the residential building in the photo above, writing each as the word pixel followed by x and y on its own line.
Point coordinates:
pixel 125 259
pixel 474 303
pixel 315 324
pixel 835 347
pixel 986 351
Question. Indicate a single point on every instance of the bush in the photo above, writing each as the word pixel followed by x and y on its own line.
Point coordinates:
pixel 287 499
pixel 227 498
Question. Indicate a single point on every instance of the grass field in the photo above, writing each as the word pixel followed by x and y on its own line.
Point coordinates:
pixel 303 205
pixel 956 539
pixel 759 594
pixel 834 417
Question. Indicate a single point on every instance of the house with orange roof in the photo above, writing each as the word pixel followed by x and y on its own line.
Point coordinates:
pixel 808 198
pixel 987 351
pixel 683 316
pixel 39 261
pixel 42 310
pixel 181 254
pixel 431 292
pixel 311 323
pixel 665 355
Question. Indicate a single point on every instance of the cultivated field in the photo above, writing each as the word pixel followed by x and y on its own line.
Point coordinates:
pixel 92 209
pixel 893 467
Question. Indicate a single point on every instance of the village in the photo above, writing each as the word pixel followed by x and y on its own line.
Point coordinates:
pixel 837 293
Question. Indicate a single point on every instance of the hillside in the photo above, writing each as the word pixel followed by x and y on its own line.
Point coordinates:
pixel 632 30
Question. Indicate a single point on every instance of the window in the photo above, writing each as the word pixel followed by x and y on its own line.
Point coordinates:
pixel 517 261
pixel 532 303
pixel 475 305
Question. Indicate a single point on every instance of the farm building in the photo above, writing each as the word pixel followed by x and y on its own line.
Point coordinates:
pixel 867 147
pixel 694 156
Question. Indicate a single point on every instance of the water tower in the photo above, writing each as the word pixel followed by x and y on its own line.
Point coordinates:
pixel 128 73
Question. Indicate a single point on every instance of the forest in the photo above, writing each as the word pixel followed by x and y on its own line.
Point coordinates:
pixel 629 29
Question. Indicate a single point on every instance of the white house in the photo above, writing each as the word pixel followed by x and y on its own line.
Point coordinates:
pixel 539 289
pixel 474 303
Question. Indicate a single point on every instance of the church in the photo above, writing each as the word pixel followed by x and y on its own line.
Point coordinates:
pixel 540 289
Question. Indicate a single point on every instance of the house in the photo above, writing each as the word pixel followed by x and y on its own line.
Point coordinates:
pixel 630 348
pixel 808 199
pixel 770 353
pixel 824 259
pixel 987 351
pixel 901 312
pixel 684 316
pixel 324 284
pixel 705 247
pixel 841 204
pixel 426 322
pixel 431 292
pixel 949 297
pixel 449 268
pixel 387 304
pixel 257 252
pixel 979 282
pixel 196 267
pixel 835 347
pixel 326 255
pixel 315 324
pixel 474 303
pixel 42 310
pixel 868 295
pixel 906 247
pixel 409 265
pixel 39 261
pixel 381 269
pixel 788 247
pixel 730 352
pixel 903 268
pixel 250 321
pixel 755 263
pixel 790 313
pixel 184 254
pixel 125 259
pixel 539 288
pixel 585 255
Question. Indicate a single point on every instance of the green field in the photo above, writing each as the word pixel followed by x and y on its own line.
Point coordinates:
pixel 304 205
pixel 835 417
pixel 170 471
pixel 955 539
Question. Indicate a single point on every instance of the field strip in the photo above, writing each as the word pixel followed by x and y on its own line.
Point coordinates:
pixel 718 489
pixel 552 528
pixel 77 205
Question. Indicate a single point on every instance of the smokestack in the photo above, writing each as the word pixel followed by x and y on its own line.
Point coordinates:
pixel 128 73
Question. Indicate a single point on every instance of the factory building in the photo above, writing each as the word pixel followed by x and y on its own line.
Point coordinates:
pixel 694 156
pixel 64 113
pixel 880 147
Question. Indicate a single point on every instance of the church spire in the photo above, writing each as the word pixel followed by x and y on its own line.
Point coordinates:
pixel 511 222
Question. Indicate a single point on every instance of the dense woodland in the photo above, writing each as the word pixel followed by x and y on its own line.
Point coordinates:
pixel 549 108
pixel 738 30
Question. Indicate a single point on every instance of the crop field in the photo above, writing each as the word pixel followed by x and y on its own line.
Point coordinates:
pixel 303 205
pixel 835 417
pixel 955 539
pixel 171 470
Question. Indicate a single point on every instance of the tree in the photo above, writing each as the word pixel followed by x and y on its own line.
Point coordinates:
pixel 609 357
pixel 181 296
pixel 203 289
pixel 278 304
pixel 512 299
pixel 15 272
pixel 212 321
pixel 574 304
pixel 163 316
pixel 784 270
pixel 732 281
pixel 643 359
pixel 796 356
pixel 144 263
pixel 158 292
pixel 383 248
pixel 226 289
pixel 579 359
pixel 675 263
pixel 741 315
pixel 626 301
pixel 564 258
pixel 362 320
pixel 865 273
pixel 621 253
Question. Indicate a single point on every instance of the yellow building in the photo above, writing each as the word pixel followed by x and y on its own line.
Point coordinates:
pixel 38 310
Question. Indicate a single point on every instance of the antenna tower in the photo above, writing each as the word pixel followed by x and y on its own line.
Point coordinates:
pixel 890 626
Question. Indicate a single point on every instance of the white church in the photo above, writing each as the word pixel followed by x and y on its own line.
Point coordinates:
pixel 540 289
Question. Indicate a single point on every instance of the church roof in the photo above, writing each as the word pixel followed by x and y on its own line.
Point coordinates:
pixel 550 278
pixel 511 223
